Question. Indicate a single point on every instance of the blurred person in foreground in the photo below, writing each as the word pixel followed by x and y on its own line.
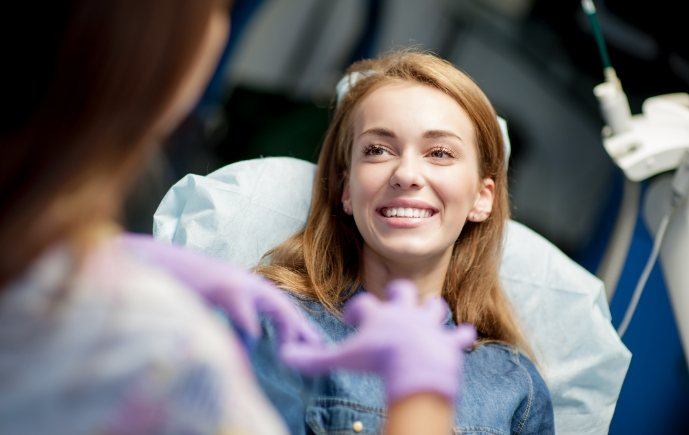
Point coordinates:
pixel 102 332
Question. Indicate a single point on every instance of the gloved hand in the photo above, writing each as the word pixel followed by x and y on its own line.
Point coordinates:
pixel 406 344
pixel 240 294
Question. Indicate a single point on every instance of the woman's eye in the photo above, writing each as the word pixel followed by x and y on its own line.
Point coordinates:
pixel 440 153
pixel 374 150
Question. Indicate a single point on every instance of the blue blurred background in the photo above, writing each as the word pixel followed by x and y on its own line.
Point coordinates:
pixel 535 59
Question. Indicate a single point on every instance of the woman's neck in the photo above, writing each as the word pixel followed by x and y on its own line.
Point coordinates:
pixel 87 238
pixel 427 274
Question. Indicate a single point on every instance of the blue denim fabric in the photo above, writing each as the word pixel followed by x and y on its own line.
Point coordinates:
pixel 502 392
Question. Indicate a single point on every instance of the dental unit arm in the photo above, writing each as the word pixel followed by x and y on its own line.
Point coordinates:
pixel 644 146
pixel 647 144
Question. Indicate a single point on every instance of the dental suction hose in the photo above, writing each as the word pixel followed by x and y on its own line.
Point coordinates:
pixel 679 192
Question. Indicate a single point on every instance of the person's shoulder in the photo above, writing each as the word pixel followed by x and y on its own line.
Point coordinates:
pixel 194 350
pixel 141 306
pixel 503 356
pixel 133 337
pixel 130 287
pixel 534 413
pixel 497 356
pixel 506 358
pixel 496 366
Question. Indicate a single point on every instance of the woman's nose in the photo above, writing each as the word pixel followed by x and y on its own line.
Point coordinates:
pixel 407 174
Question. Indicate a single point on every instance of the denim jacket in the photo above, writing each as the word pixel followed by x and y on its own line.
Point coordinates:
pixel 502 392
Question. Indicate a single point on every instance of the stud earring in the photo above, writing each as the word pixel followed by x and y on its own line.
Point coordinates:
pixel 347 208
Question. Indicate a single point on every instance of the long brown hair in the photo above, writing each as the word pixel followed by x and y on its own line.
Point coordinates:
pixel 89 81
pixel 322 260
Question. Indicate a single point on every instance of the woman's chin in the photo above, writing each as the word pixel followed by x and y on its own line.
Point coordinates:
pixel 411 253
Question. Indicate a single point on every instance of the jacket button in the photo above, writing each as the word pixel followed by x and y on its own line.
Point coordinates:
pixel 357 426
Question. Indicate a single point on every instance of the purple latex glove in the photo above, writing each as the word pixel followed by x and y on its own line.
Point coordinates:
pixel 240 294
pixel 403 342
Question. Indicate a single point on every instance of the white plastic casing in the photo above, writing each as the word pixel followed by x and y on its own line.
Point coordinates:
pixel 656 139
pixel 614 106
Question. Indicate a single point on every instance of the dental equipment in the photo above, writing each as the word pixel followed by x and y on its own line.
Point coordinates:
pixel 642 145
pixel 645 145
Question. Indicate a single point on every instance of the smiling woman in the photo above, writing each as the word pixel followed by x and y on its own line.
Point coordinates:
pixel 411 184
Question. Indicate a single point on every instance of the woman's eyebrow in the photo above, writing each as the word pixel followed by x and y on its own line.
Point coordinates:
pixel 379 131
pixel 429 134
pixel 435 134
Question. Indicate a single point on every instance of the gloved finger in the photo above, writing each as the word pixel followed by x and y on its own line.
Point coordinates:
pixel 402 291
pixel 134 241
pixel 278 314
pixel 351 354
pixel 437 308
pixel 291 324
pixel 259 283
pixel 464 335
pixel 294 327
pixel 357 308
pixel 238 278
pixel 242 313
pixel 305 332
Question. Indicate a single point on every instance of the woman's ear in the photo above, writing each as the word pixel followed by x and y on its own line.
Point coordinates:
pixel 346 201
pixel 483 205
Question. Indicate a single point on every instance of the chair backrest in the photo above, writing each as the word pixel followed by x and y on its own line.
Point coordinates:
pixel 240 211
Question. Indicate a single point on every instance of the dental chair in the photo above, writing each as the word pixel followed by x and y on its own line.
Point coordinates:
pixel 240 211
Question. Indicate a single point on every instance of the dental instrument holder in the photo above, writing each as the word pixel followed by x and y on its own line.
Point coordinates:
pixel 643 146
pixel 647 144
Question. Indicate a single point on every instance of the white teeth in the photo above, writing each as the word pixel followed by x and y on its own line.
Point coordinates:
pixel 407 212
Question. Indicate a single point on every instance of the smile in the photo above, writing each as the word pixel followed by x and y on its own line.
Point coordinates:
pixel 406 212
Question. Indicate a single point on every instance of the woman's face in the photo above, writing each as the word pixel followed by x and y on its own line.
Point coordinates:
pixel 414 176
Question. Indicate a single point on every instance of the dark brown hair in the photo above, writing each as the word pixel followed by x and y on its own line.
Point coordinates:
pixel 88 83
